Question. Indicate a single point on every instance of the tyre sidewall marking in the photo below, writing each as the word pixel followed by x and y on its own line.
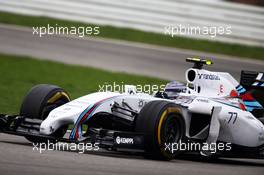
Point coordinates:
pixel 57 96
pixel 164 113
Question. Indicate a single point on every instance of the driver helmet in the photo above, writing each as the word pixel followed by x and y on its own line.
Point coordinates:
pixel 173 88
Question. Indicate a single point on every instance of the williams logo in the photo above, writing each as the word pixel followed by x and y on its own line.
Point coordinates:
pixel 208 76
pixel 122 140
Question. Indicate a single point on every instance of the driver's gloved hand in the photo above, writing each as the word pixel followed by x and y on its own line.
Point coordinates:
pixel 161 95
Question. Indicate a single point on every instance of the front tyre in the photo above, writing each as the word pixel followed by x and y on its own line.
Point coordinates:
pixel 40 101
pixel 162 124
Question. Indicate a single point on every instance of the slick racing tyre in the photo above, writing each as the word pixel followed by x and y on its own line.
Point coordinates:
pixel 40 100
pixel 162 124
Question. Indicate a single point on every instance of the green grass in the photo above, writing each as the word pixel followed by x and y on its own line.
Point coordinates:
pixel 140 36
pixel 19 74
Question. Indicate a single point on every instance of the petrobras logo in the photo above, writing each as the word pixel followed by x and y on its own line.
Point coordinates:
pixel 208 76
pixel 122 140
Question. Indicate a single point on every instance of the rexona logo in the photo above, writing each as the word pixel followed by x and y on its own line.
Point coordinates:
pixel 208 76
pixel 122 140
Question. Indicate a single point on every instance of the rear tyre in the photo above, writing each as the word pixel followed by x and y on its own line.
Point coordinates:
pixel 162 124
pixel 39 102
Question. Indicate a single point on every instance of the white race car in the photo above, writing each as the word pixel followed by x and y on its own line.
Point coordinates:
pixel 212 114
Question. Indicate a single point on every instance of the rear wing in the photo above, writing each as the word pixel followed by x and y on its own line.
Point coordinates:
pixel 252 80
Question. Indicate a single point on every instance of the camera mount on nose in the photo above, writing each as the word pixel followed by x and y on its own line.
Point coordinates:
pixel 198 63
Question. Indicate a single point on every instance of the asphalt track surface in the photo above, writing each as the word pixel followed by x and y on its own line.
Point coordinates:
pixel 18 157
pixel 16 153
pixel 162 62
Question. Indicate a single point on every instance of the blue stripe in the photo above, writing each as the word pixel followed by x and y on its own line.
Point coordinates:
pixel 72 135
pixel 227 104
pixel 78 120
pixel 242 91
pixel 262 85
pixel 83 113
pixel 80 130
pixel 239 88
pixel 252 103
pixel 250 108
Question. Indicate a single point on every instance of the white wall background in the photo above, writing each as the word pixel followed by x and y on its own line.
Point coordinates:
pixel 247 22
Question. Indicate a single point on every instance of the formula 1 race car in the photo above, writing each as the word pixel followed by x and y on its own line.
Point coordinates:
pixel 212 108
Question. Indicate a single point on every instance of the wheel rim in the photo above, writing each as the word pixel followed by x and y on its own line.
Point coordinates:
pixel 172 130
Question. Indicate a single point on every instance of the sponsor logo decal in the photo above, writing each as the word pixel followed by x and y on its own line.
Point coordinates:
pixel 123 140
pixel 202 100
pixel 208 76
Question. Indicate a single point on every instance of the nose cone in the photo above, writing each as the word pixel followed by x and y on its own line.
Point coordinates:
pixel 46 128
pixel 45 131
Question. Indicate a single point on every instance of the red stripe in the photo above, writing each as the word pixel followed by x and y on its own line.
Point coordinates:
pixel 247 97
